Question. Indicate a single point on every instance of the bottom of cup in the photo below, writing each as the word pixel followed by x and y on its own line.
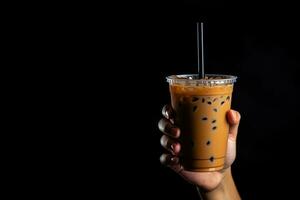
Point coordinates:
pixel 212 169
pixel 203 165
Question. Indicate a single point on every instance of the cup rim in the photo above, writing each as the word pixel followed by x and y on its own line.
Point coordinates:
pixel 219 79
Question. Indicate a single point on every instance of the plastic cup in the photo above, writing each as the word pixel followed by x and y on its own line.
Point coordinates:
pixel 200 107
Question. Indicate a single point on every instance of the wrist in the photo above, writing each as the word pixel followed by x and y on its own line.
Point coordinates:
pixel 224 190
pixel 217 191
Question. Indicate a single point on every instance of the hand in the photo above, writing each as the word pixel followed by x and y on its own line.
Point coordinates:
pixel 207 181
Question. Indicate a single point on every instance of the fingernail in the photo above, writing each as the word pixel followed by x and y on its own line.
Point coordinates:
pixel 174 131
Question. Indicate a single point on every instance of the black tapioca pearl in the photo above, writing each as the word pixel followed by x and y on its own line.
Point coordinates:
pixel 215 99
pixel 179 104
pixel 208 143
pixel 216 110
pixel 209 102
pixel 204 118
pixel 222 102
pixel 213 121
pixel 194 108
pixel 195 99
pixel 211 159
pixel 228 97
pixel 203 100
pixel 214 128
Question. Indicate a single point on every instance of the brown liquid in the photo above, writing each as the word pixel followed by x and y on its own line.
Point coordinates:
pixel 201 117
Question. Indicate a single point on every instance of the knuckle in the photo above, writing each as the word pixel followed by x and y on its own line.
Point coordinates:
pixel 161 125
pixel 163 158
pixel 163 141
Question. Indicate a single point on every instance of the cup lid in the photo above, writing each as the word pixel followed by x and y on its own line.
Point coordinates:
pixel 210 79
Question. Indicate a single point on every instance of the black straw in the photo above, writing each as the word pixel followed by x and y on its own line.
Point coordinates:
pixel 200 71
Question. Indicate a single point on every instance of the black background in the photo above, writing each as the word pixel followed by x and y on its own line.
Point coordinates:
pixel 97 74
pixel 143 44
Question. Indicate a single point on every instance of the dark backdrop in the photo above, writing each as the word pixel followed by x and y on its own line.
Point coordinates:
pixel 105 66
pixel 148 42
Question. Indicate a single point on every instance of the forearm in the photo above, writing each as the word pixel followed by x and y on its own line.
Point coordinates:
pixel 225 191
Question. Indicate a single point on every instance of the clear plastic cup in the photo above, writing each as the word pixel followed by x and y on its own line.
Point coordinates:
pixel 200 107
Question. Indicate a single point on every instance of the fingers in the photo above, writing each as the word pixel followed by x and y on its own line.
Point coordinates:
pixel 168 159
pixel 167 112
pixel 171 161
pixel 165 125
pixel 168 128
pixel 169 144
pixel 233 118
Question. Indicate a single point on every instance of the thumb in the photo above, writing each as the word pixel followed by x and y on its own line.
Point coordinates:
pixel 233 118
